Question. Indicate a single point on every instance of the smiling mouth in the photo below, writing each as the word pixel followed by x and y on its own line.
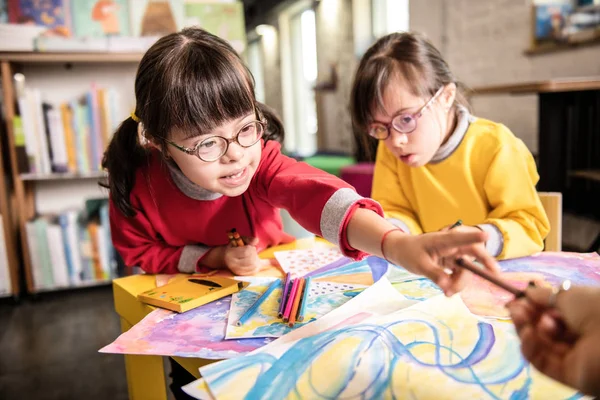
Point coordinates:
pixel 236 175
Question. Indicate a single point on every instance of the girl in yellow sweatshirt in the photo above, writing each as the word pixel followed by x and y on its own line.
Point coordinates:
pixel 436 163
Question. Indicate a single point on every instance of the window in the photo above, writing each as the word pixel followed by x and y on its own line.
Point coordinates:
pixel 299 76
pixel 389 16
pixel 257 65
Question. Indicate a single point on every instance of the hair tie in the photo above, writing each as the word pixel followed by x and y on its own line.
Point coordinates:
pixel 134 117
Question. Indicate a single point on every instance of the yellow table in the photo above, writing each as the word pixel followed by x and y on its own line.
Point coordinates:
pixel 146 374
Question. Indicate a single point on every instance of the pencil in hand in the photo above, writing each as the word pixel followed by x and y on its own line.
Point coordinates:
pixel 456 224
pixel 471 266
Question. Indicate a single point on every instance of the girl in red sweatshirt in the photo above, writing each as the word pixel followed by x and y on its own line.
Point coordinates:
pixel 200 155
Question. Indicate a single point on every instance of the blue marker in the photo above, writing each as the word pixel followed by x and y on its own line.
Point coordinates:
pixel 258 302
pixel 304 299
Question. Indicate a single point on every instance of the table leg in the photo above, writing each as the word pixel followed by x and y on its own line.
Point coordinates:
pixel 145 374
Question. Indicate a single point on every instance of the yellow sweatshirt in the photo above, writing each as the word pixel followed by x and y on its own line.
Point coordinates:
pixel 487 179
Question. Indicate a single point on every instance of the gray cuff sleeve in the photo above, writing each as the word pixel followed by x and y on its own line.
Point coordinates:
pixel 190 256
pixel 334 213
pixel 399 224
pixel 495 242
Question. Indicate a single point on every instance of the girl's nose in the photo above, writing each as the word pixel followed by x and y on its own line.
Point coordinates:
pixel 234 152
pixel 398 139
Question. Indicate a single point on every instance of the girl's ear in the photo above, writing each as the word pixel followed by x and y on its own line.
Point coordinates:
pixel 144 141
pixel 448 96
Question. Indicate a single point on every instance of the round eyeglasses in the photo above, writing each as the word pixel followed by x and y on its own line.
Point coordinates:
pixel 403 122
pixel 214 147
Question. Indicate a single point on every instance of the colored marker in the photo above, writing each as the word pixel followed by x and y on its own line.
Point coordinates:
pixel 258 302
pixel 284 295
pixel 294 313
pixel 290 300
pixel 304 300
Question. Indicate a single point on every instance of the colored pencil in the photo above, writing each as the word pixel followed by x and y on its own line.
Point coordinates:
pixel 250 311
pixel 239 241
pixel 290 300
pixel 284 294
pixel 461 262
pixel 456 224
pixel 304 299
pixel 294 313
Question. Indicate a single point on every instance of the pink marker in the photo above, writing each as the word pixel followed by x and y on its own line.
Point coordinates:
pixel 290 302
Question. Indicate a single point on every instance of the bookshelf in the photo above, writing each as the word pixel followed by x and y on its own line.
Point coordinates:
pixel 62 75
pixel 61 58
pixel 9 231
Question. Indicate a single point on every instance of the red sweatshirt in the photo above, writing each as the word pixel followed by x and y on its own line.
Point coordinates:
pixel 177 222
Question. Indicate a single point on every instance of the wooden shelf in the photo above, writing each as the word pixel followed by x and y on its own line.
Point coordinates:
pixel 591 7
pixel 74 57
pixel 62 176
pixel 549 86
pixel 554 47
pixel 590 174
pixel 78 286
pixel 23 187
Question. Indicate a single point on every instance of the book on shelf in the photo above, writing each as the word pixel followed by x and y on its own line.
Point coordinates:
pixel 156 18
pixel 100 18
pixel 67 137
pixel 113 25
pixel 72 248
pixel 19 139
pixel 5 279
pixel 54 15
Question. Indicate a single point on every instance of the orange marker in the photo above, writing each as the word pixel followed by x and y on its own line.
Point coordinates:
pixel 294 312
pixel 237 238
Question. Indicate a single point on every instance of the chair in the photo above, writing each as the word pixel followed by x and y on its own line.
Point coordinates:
pixel 552 202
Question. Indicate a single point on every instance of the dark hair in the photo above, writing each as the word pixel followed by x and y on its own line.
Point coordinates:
pixel 190 80
pixel 409 56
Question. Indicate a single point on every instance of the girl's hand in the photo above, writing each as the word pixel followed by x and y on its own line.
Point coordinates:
pixel 450 262
pixel 243 260
pixel 429 253
pixel 562 342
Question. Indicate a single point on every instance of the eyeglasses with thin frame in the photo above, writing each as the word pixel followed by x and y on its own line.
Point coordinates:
pixel 214 147
pixel 403 122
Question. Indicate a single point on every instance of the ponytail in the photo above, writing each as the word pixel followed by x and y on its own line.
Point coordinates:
pixel 274 129
pixel 122 158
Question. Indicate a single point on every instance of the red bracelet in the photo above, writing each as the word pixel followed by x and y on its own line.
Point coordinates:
pixel 383 239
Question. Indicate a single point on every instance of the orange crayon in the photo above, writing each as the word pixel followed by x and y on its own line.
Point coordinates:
pixel 237 238
pixel 231 239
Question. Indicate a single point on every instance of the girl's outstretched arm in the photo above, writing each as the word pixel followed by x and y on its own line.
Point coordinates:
pixel 425 254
